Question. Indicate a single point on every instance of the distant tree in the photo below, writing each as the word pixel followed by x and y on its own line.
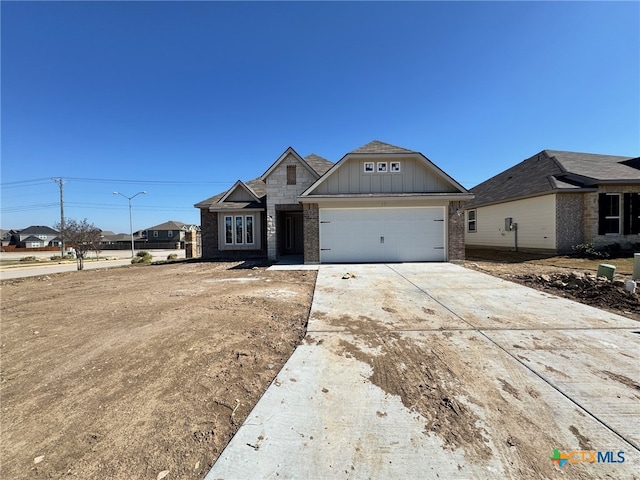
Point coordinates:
pixel 82 236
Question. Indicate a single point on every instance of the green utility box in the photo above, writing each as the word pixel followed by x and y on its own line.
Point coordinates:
pixel 605 270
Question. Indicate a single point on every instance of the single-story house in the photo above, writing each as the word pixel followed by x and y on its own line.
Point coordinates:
pixel 555 200
pixel 35 236
pixel 379 203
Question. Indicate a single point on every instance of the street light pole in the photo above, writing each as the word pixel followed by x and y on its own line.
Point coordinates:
pixel 130 216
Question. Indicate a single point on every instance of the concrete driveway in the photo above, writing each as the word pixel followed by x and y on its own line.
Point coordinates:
pixel 437 371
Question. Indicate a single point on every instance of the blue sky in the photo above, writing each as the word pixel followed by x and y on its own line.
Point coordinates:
pixel 181 99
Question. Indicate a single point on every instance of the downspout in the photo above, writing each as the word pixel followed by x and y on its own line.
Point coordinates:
pixel 515 229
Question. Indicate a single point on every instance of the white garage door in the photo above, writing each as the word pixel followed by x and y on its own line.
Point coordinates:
pixel 382 234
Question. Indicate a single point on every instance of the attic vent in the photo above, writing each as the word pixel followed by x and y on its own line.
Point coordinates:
pixel 291 174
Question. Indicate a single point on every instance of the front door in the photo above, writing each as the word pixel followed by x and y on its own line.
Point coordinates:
pixel 293 242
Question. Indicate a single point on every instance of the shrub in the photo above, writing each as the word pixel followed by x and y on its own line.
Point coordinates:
pixel 142 257
pixel 588 250
pixel 28 259
pixel 55 257
pixel 172 256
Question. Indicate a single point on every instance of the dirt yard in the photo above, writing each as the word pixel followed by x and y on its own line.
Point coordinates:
pixel 147 372
pixel 569 277
pixel 139 372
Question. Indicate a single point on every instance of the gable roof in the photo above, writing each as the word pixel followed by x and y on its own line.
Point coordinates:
pixel 38 230
pixel 256 186
pixel 32 238
pixel 287 152
pixel 170 225
pixel 377 147
pixel 316 164
pixel 239 184
pixel 554 171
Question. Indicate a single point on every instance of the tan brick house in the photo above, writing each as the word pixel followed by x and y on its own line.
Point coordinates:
pixel 555 200
pixel 379 203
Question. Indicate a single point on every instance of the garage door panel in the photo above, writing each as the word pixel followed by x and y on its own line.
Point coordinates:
pixel 382 234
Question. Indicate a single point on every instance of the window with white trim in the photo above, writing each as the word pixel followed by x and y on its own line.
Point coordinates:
pixel 471 221
pixel 395 167
pixel 155 234
pixel 238 230
pixel 170 233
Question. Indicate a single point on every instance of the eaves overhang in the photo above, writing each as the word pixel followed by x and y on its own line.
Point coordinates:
pixel 533 195
pixel 235 208
pixel 364 197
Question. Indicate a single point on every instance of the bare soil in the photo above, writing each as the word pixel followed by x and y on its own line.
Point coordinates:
pixel 140 372
pixel 527 269
pixel 148 371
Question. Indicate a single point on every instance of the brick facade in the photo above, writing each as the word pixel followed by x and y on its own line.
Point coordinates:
pixel 209 232
pixel 569 221
pixel 311 226
pixel 455 232
pixel 591 218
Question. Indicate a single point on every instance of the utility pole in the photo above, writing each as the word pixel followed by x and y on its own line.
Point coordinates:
pixel 61 181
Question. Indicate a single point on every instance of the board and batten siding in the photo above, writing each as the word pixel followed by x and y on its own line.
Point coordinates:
pixel 536 219
pixel 413 177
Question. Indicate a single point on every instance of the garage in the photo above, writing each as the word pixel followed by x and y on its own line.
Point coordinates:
pixel 402 234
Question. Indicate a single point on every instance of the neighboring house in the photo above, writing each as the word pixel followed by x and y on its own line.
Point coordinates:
pixel 379 203
pixel 109 238
pixel 6 236
pixel 555 200
pixel 170 231
pixel 36 236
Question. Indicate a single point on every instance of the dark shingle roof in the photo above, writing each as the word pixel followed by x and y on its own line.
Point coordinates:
pixel 32 238
pixel 170 225
pixel 38 230
pixel 552 170
pixel 319 164
pixel 377 146
pixel 257 186
pixel 598 167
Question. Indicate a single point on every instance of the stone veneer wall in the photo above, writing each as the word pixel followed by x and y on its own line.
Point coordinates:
pixel 456 232
pixel 311 228
pixel 279 193
pixel 590 206
pixel 569 221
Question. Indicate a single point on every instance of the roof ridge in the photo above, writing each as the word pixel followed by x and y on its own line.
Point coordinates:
pixel 377 146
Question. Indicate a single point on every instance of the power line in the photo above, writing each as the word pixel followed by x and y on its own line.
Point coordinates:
pixel 150 182
pixel 25 208
pixel 97 206
pixel 25 183
pixel 40 181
